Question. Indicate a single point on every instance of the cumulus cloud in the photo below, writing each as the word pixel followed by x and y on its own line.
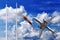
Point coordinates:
pixel 58 36
pixel 2 38
pixel 25 29
pixel 48 36
pixel 42 16
pixel 11 19
pixel 46 16
pixel 12 13
pixel 57 18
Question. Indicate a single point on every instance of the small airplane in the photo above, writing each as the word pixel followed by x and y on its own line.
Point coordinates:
pixel 25 18
pixel 43 25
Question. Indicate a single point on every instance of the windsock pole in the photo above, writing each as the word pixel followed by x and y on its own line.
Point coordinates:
pixel 6 22
pixel 16 22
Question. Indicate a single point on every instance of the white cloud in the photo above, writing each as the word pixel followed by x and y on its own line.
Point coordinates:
pixel 46 35
pixel 46 16
pixel 2 38
pixel 42 16
pixel 57 18
pixel 11 18
pixel 25 28
pixel 58 36
pixel 12 13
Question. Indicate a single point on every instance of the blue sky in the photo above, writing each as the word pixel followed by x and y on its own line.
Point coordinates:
pixel 35 8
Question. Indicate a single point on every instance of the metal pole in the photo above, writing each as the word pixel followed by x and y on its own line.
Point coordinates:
pixel 6 23
pixel 16 21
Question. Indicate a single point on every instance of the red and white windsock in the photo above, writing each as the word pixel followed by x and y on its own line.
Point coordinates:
pixel 25 18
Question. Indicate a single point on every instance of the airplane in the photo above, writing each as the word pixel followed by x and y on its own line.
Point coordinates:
pixel 25 18
pixel 43 25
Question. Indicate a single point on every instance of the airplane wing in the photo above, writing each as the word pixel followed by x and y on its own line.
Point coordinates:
pixel 37 20
pixel 25 18
pixel 40 32
pixel 53 31
pixel 50 19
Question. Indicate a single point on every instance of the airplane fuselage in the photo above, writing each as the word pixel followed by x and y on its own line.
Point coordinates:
pixel 43 25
